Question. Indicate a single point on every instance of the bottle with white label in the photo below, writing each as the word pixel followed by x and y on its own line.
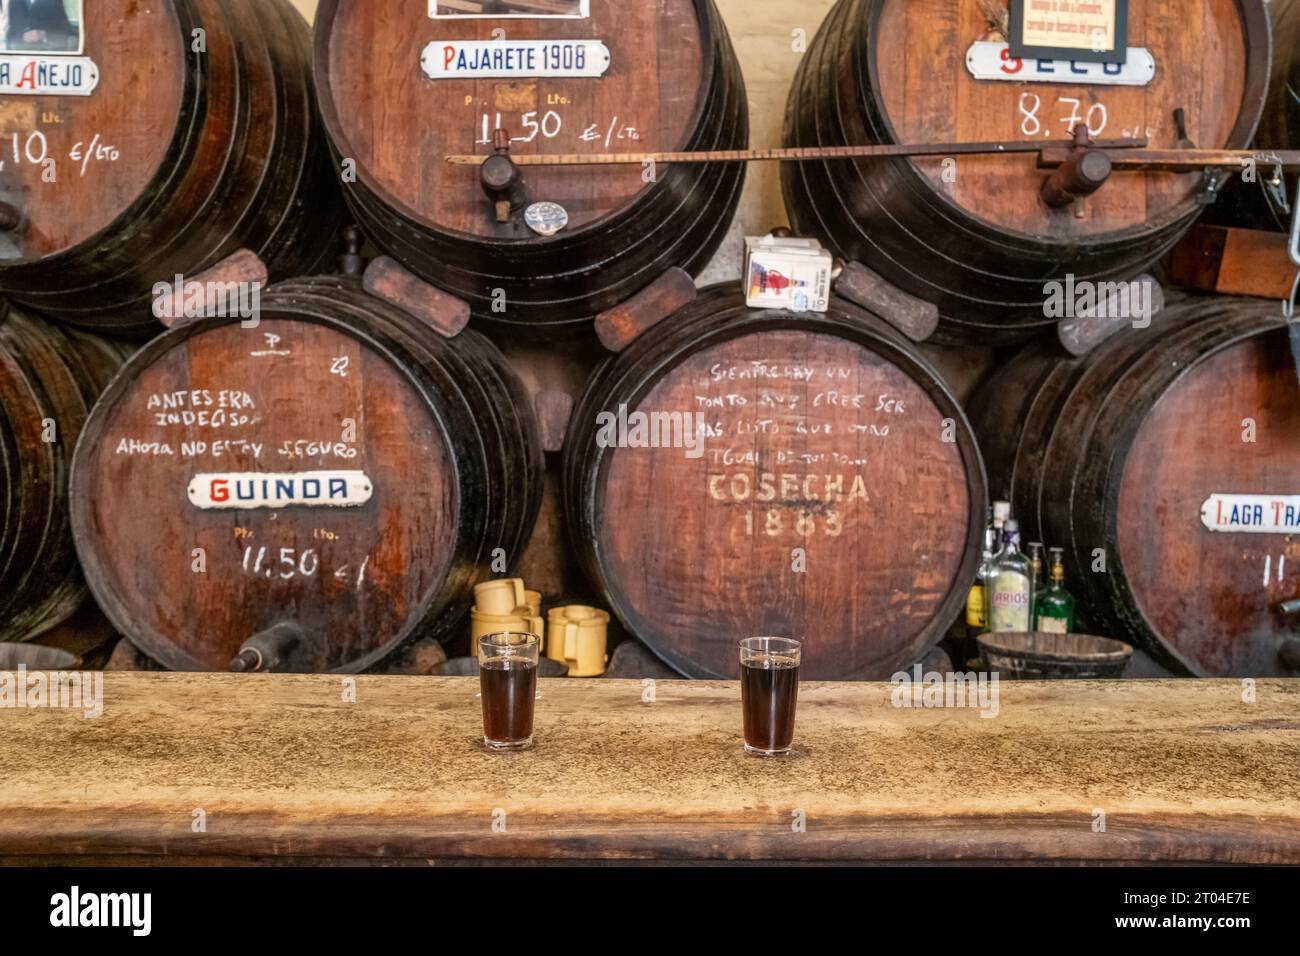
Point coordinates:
pixel 999 514
pixel 1036 565
pixel 1013 585
pixel 1054 608
pixel 977 608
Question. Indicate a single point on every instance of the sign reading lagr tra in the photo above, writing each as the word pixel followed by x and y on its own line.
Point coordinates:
pixel 1254 514
pixel 249 490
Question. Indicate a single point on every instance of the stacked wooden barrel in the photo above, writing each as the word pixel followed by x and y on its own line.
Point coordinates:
pixel 308 495
pixel 1266 202
pixel 48 380
pixel 200 138
pixel 1165 464
pixel 628 77
pixel 830 488
pixel 971 233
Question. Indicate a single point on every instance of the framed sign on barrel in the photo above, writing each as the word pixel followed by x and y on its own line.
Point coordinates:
pixel 1094 31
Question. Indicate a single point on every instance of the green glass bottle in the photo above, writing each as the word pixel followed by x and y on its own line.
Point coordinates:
pixel 1054 608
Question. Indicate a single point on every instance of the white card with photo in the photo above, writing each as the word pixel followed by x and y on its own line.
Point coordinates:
pixel 47 27
pixel 510 9
pixel 41 47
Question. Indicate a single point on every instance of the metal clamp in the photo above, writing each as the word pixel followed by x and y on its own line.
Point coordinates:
pixel 1293 250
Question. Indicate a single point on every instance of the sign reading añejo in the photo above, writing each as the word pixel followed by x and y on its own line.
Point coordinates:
pixel 1255 514
pixel 513 59
pixel 47 75
pixel 249 490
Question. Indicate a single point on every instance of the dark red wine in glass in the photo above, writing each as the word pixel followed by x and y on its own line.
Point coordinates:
pixel 508 686
pixel 769 691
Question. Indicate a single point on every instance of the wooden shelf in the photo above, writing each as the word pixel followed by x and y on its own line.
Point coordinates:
pixel 284 769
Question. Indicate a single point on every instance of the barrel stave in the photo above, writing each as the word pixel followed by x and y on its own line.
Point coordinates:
pixel 48 378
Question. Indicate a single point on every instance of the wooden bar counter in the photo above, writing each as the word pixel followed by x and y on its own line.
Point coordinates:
pixel 209 768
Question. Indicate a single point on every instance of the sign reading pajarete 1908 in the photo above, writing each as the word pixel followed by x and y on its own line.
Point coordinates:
pixel 41 47
pixel 1078 30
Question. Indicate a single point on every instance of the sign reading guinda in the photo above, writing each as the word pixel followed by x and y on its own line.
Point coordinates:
pixel 332 489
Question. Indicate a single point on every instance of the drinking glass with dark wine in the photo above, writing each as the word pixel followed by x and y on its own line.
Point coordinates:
pixel 508 686
pixel 769 690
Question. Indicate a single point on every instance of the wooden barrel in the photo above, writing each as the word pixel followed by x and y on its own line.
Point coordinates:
pixel 200 139
pixel 309 495
pixel 672 83
pixel 837 496
pixel 1266 203
pixel 1123 458
pixel 49 378
pixel 971 233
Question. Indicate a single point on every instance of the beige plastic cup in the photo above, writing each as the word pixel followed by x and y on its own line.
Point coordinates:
pixel 519 622
pixel 579 636
pixel 533 601
pixel 503 596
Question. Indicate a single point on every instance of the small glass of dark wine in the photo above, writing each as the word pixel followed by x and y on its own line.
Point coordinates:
pixel 769 690
pixel 508 685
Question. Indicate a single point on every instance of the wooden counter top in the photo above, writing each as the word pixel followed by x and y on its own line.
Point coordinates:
pixel 282 767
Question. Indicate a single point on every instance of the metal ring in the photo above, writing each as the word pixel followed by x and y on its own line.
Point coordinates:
pixel 1288 307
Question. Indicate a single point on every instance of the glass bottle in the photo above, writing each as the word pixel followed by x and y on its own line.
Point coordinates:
pixel 977 622
pixel 1036 562
pixel 1011 608
pixel 977 601
pixel 1054 608
pixel 1001 515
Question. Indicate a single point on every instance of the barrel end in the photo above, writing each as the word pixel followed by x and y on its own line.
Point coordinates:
pixel 915 318
pixel 387 279
pixel 619 327
pixel 242 268
pixel 1136 304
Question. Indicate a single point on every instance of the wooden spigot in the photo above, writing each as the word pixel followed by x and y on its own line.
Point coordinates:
pixel 501 179
pixel 269 651
pixel 352 262
pixel 11 217
pixel 1082 174
pixel 1289 653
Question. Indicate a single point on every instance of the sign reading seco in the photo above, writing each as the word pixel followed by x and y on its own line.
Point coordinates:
pixel 988 60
